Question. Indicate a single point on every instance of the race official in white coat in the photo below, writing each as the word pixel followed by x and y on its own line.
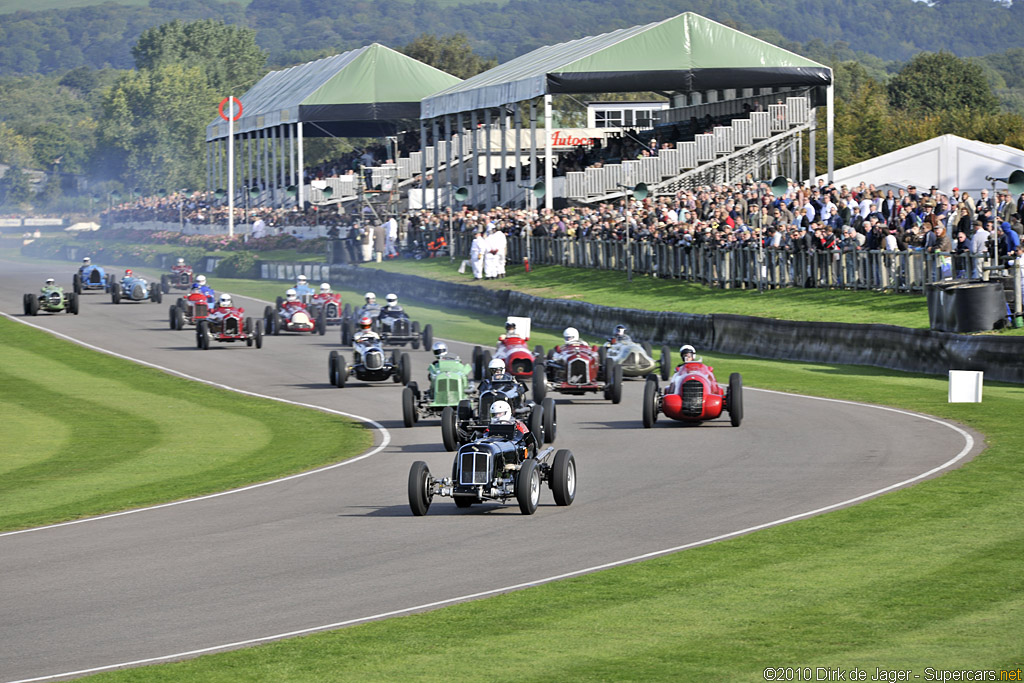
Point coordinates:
pixel 502 245
pixel 476 254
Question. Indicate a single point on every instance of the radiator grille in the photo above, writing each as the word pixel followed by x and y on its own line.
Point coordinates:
pixel 442 385
pixel 693 398
pixel 94 277
pixel 138 292
pixel 199 310
pixel 373 360
pixel 231 326
pixel 578 371
pixel 473 467
pixel 521 366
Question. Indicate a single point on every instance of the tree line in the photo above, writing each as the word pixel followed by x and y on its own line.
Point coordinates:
pixel 143 128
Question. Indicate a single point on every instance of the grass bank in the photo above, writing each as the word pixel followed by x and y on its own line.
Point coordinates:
pixel 86 433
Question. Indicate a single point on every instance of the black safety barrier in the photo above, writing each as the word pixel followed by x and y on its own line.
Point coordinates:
pixel 885 346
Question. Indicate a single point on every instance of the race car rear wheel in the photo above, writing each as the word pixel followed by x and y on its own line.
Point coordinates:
pixel 115 293
pixel 615 388
pixel 73 303
pixel 172 317
pixel 76 283
pixel 734 399
pixel 537 423
pixel 155 295
pixel 550 421
pixel 203 335
pixel 408 407
pixel 602 356
pixel 247 328
pixel 33 305
pixel 563 477
pixel 528 487
pixel 278 323
pixel 179 318
pixel 346 332
pixel 24 303
pixel 404 369
pixel 449 430
pixel 165 284
pixel 647 349
pixel 415 331
pixel 650 412
pixel 347 311
pixel 278 302
pixel 332 368
pixel 428 336
pixel 420 490
pixel 539 380
pixel 478 369
pixel 321 323
pixel 258 332
pixel 666 363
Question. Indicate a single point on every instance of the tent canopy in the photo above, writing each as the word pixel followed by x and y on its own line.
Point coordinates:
pixel 358 93
pixel 685 53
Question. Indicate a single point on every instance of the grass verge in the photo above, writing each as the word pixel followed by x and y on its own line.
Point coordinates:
pixel 88 433
pixel 923 577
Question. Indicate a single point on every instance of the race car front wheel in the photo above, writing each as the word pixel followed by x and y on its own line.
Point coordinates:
pixel 420 491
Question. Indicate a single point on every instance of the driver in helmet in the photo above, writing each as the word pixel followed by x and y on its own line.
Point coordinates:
pixel 572 337
pixel 291 303
pixel 302 287
pixel 501 413
pixel 688 353
pixel 364 331
pixel 49 282
pixel 620 335
pixel 200 286
pixel 496 373
pixel 371 308
pixel 128 272
pixel 180 267
pixel 86 265
pixel 510 334
pixel 325 289
pixel 392 305
pixel 224 306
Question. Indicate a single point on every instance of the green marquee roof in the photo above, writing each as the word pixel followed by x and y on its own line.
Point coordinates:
pixel 685 53
pixel 357 93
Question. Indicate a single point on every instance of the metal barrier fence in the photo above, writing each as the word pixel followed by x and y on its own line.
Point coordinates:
pixel 742 268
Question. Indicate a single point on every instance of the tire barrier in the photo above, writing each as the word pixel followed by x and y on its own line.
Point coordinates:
pixel 885 346
pixel 965 306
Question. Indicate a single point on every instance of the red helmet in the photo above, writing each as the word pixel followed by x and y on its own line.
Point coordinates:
pixel 365 323
pixel 128 272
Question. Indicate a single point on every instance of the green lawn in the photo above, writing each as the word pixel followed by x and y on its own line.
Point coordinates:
pixel 87 433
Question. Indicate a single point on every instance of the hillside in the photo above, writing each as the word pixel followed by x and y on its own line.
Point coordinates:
pixel 98 36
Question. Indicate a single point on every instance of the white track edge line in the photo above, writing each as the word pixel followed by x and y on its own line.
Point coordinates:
pixel 385 435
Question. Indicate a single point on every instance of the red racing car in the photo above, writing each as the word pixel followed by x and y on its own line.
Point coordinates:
pixel 180 277
pixel 228 324
pixel 513 348
pixel 294 316
pixel 189 310
pixel 577 368
pixel 693 394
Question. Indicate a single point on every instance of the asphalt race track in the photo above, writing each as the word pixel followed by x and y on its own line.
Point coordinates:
pixel 341 545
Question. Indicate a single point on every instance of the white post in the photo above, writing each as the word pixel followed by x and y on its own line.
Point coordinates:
pixel 548 166
pixel 830 130
pixel 231 166
pixel 302 175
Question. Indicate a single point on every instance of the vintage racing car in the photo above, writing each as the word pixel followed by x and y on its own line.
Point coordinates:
pixel 91 277
pixel 132 288
pixel 327 304
pixel 189 310
pixel 693 395
pixel 369 364
pixel 500 465
pixel 468 420
pixel 577 368
pixel 180 277
pixel 293 316
pixel 636 359
pixel 513 348
pixel 450 383
pixel 228 324
pixel 51 299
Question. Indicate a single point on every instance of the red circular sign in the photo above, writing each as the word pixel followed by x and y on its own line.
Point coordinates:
pixel 233 100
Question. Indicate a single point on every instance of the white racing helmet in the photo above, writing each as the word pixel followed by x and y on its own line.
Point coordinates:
pixel 501 411
pixel 301 279
pixel 86 261
pixel 392 299
pixel 571 334
pixel 291 295
pixel 685 350
pixel 325 288
pixel 495 367
pixel 200 279
pixel 440 348
pixel 619 330
pixel 49 281
pixel 371 298
pixel 224 301
pixel 181 262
